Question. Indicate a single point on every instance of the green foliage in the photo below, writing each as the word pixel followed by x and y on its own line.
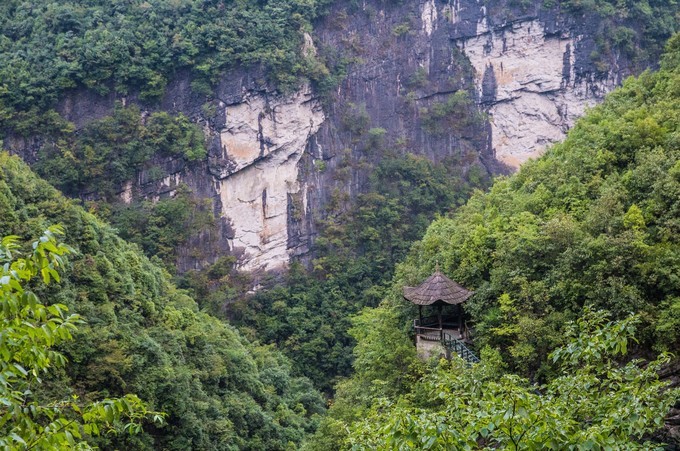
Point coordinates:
pixel 594 403
pixel 358 248
pixel 401 29
pixel 30 332
pixel 355 119
pixel 161 227
pixel 96 162
pixel 636 29
pixel 382 351
pixel 176 135
pixel 418 79
pixel 375 228
pixel 145 336
pixel 593 222
pixel 328 69
pixel 109 151
pixel 376 137
pixel 456 114
pixel 47 48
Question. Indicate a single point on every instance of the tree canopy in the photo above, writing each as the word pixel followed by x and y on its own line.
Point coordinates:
pixel 592 222
pixel 144 336
pixel 138 46
pixel 30 333
pixel 593 403
pixel 592 225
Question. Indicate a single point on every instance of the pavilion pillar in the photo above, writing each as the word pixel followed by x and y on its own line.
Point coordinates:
pixel 439 315
pixel 440 291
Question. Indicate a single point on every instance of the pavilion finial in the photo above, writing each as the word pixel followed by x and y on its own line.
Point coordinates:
pixel 436 268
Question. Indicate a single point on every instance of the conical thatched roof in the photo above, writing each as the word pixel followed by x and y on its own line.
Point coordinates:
pixel 437 287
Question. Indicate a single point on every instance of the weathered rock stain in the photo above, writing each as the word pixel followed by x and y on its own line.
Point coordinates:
pixel 536 97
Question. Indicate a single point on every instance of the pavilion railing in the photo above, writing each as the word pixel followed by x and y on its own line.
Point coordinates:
pixel 450 343
pixel 457 346
pixel 429 328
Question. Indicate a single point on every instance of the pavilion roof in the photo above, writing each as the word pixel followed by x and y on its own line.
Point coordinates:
pixel 437 287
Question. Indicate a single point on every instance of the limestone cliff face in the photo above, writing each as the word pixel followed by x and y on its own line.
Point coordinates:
pixel 256 140
pixel 528 70
pixel 525 80
pixel 275 161
pixel 262 141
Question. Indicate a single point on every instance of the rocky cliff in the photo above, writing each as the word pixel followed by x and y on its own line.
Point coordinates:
pixel 262 141
pixel 526 82
pixel 481 85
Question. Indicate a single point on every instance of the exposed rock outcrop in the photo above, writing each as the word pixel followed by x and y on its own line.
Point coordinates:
pixel 525 80
pixel 275 161
pixel 263 140
pixel 528 69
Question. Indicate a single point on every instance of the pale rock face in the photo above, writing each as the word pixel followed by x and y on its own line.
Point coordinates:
pixel 169 185
pixel 451 11
pixel 126 194
pixel 264 139
pixel 428 16
pixel 308 47
pixel 483 24
pixel 537 98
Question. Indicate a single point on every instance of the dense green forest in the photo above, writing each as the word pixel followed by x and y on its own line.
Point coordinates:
pixel 456 407
pixel 593 224
pixel 138 47
pixel 93 165
pixel 109 152
pixel 31 332
pixel 144 336
pixel 586 234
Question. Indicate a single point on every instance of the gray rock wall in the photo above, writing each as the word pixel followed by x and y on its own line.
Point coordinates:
pixel 275 161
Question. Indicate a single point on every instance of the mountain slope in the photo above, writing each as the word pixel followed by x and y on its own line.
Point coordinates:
pixel 146 337
pixel 292 94
pixel 594 222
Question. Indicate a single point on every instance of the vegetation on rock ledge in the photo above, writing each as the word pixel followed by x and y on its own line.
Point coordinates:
pixel 47 48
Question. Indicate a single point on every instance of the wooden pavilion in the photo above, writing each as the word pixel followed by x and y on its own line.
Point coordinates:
pixel 448 297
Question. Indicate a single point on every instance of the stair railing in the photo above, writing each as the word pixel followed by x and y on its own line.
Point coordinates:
pixel 457 346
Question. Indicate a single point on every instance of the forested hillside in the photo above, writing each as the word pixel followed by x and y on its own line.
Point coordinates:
pixel 133 51
pixel 593 224
pixel 137 47
pixel 144 336
pixel 357 129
